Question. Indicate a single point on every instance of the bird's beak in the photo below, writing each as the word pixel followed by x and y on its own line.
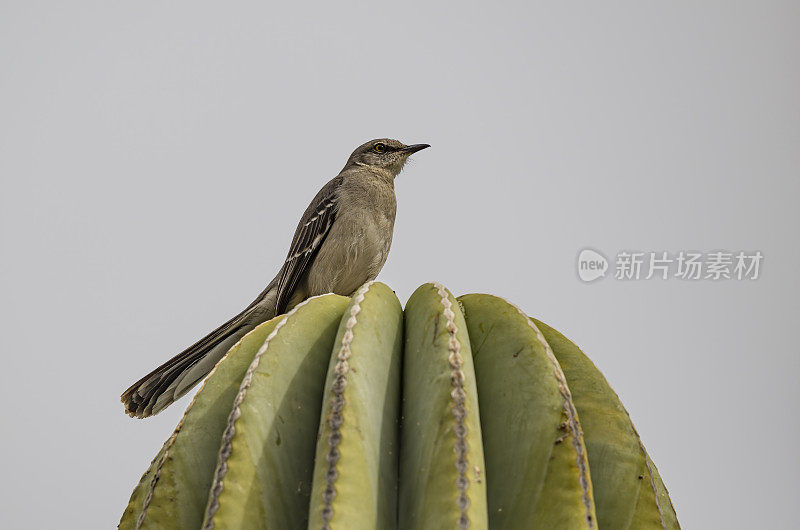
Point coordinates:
pixel 411 149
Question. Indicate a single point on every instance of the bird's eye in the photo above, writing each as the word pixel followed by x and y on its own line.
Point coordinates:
pixel 380 148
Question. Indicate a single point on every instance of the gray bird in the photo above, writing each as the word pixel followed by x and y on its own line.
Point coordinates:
pixel 340 243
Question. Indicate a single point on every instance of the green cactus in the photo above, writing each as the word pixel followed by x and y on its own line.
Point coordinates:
pixel 355 414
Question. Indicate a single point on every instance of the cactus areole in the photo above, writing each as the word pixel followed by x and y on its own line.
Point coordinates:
pixel 352 413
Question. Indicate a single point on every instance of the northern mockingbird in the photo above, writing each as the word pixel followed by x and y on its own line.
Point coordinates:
pixel 340 243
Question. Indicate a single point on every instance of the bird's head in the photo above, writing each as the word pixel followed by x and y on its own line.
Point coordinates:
pixel 383 155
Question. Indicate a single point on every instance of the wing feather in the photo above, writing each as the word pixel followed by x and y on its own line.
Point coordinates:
pixel 308 238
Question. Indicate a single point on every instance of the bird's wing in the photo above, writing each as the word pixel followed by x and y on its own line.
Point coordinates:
pixel 308 238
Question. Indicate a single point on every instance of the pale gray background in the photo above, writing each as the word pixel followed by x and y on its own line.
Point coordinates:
pixel 155 158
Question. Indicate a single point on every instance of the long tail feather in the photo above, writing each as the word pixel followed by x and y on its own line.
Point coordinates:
pixel 167 383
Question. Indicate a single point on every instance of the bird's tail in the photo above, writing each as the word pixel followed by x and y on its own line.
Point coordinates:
pixel 167 383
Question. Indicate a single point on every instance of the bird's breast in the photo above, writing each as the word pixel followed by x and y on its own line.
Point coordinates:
pixel 357 246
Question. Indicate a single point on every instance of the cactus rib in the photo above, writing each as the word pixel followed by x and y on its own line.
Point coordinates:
pixel 157 474
pixel 337 403
pixel 355 470
pixel 459 410
pixel 628 490
pixel 535 457
pixel 230 429
pixel 136 497
pixel 442 478
pixel 264 467
pixel 572 418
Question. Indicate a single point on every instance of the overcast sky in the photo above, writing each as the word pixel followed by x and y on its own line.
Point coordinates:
pixel 155 158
